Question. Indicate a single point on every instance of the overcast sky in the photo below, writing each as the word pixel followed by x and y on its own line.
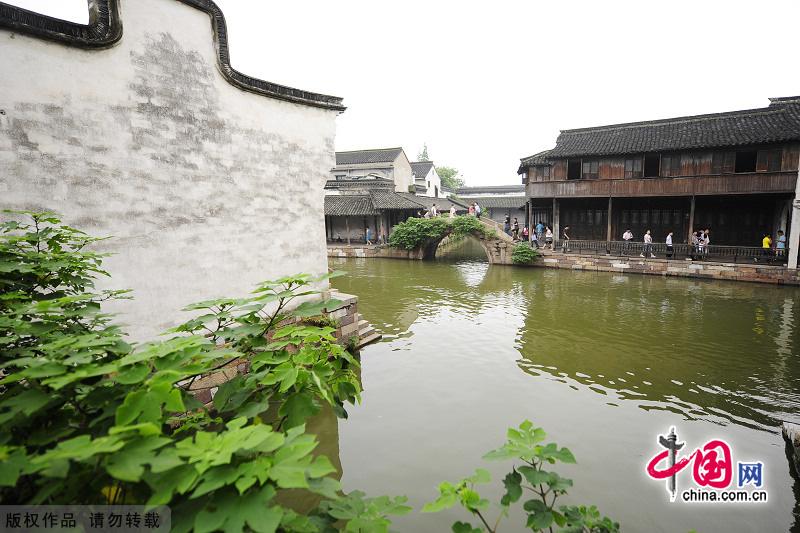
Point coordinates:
pixel 486 83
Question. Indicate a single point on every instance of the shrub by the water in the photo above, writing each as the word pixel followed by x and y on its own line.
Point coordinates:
pixel 523 254
pixel 415 231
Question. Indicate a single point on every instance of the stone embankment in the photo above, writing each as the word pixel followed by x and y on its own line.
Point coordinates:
pixel 676 267
pixel 752 272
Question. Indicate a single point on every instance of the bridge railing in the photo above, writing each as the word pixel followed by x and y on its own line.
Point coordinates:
pixel 734 254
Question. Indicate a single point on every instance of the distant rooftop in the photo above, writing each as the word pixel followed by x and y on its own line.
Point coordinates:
pixel 778 122
pixel 421 168
pixel 491 189
pixel 376 155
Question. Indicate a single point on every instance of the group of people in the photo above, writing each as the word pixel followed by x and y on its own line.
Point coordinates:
pixel 700 242
pixel 540 232
pixel 474 210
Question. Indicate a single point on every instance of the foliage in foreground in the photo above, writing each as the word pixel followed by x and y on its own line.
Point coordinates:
pixel 523 254
pixel 544 487
pixel 89 418
pixel 416 231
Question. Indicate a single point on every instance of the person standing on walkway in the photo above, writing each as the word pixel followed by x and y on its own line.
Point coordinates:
pixel 434 211
pixel 471 210
pixel 766 247
pixel 626 238
pixel 648 245
pixel 525 234
pixel 565 236
pixel 548 237
pixel 539 231
pixel 507 225
pixel 515 229
pixel 780 246
pixel 706 240
pixel 701 244
pixel 453 211
pixel 670 249
pixel 534 240
pixel 478 210
pixel 368 235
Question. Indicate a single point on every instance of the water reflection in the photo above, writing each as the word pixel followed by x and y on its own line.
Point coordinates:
pixel 602 361
pixel 699 349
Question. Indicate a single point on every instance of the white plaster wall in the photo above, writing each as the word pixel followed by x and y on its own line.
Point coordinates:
pixel 435 182
pixel 206 189
pixel 403 175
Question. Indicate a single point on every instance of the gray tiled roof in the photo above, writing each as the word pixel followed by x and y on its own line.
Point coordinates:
pixel 364 184
pixel 491 189
pixel 443 204
pixel 370 203
pixel 359 157
pixel 498 202
pixel 421 168
pixel 779 122
pixel 349 205
pixel 394 200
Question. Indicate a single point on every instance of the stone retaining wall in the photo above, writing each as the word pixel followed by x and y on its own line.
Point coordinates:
pixel 680 268
pixel 661 267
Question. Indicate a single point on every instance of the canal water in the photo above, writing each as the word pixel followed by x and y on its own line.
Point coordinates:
pixel 603 362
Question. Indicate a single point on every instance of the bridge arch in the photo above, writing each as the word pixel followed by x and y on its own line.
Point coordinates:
pixel 498 246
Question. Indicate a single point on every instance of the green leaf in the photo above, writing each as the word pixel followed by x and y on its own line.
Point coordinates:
pixel 297 409
pixel 464 527
pixel 513 486
pixel 12 462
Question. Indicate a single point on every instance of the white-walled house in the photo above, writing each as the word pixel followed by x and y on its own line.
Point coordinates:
pixel 386 163
pixel 427 180
pixel 208 181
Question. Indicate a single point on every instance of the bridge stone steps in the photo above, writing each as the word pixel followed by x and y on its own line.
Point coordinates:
pixel 491 224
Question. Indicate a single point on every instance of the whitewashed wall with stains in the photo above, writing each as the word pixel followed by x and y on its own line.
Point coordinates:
pixel 206 189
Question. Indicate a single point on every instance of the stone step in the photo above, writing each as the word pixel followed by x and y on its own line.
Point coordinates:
pixel 369 340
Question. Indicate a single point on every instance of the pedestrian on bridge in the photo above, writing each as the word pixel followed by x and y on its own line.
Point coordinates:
pixel 477 210
pixel 507 225
pixel 548 237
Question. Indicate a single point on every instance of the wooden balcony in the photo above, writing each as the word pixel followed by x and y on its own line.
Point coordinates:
pixel 751 183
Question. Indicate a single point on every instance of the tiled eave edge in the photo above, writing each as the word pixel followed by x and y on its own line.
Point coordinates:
pixel 105 29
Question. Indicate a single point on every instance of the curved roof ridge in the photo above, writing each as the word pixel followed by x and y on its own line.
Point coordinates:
pixel 105 29
pixel 679 120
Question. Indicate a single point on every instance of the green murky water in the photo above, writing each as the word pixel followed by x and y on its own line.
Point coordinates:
pixel 604 362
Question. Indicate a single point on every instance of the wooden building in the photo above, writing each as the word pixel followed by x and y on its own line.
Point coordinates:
pixel 734 173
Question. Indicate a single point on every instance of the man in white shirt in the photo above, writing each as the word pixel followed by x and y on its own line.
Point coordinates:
pixel 627 236
pixel 648 245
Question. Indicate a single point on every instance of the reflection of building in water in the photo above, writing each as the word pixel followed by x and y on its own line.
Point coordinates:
pixel 653 342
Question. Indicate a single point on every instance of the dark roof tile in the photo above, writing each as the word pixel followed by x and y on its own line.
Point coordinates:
pixel 779 122
pixel 421 168
pixel 360 157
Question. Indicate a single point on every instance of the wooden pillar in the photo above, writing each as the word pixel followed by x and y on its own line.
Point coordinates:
pixel 608 227
pixel 556 228
pixel 794 231
pixel 691 220
pixel 528 219
pixel 347 229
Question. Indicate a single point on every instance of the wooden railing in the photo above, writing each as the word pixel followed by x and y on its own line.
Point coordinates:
pixel 735 254
pixel 749 183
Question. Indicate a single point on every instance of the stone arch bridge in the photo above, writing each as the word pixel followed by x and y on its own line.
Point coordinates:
pixel 498 247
